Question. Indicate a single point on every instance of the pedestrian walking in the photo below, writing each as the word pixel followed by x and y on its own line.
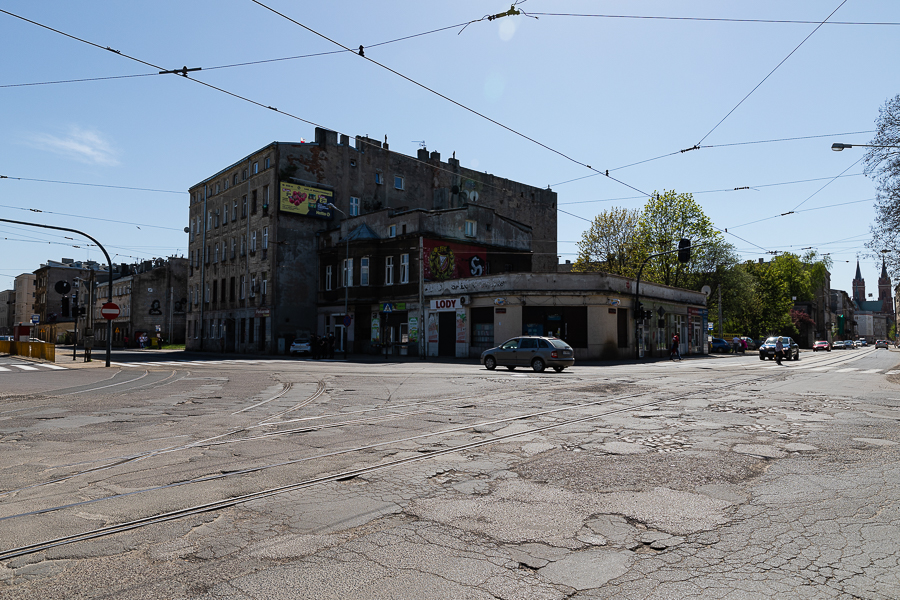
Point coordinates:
pixel 323 347
pixel 675 352
pixel 779 350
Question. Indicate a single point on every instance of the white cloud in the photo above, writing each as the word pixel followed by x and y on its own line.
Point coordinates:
pixel 80 144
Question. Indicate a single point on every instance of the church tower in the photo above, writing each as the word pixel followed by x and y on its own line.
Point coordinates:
pixel 859 286
pixel 884 291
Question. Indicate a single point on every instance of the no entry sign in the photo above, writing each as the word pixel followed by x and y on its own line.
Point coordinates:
pixel 109 311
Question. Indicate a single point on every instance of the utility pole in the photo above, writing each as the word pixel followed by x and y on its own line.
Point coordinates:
pixel 421 298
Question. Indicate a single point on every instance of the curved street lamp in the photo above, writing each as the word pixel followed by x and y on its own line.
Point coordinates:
pixel 837 146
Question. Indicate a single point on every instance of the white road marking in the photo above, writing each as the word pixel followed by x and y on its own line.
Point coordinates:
pixel 847 370
pixel 53 367
pixel 3 369
pixel 867 371
pixel 25 367
pixel 892 372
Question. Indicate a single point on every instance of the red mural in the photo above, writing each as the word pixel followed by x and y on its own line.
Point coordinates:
pixel 447 260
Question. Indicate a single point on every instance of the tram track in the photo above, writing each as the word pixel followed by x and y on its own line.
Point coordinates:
pixel 229 502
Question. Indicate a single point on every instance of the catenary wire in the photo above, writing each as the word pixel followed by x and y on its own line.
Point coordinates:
pixel 720 20
pixel 49 212
pixel 115 187
pixel 830 182
pixel 770 73
pixel 447 98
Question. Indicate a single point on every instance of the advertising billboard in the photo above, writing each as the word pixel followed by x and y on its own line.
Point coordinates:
pixel 306 201
pixel 446 260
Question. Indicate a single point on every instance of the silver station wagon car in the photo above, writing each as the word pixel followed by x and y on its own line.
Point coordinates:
pixel 530 351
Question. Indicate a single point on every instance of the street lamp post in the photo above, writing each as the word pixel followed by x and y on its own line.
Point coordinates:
pixel 837 146
pixel 347 276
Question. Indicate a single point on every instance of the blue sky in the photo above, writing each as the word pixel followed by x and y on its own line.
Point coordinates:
pixel 604 91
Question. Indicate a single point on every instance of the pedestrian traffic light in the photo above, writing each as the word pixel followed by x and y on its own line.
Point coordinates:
pixel 684 250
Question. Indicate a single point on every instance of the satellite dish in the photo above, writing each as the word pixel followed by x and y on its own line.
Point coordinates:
pixel 706 290
pixel 62 287
pixel 187 229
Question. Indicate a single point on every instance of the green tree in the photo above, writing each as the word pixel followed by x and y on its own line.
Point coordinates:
pixel 666 219
pixel 611 244
pixel 883 165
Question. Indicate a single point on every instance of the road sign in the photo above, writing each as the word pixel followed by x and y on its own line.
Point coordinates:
pixel 35 319
pixel 109 311
pixel 387 307
pixel 347 320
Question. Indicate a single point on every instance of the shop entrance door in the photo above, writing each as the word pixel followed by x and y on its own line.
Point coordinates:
pixel 447 333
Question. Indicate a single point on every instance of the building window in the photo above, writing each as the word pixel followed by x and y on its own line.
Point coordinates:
pixel 328 278
pixel 234 179
pixel 244 175
pixel 265 284
pixel 265 240
pixel 234 211
pixel 243 286
pixel 225 214
pixel 206 296
pixel 398 182
pixel 392 231
pixel 217 188
pixel 347 272
pixel 352 163
pixel 252 286
pixel 233 247
pixel 379 178
pixel 252 241
pixel 231 289
pixel 216 259
pixel 364 270
pixel 470 228
pixel 404 268
pixel 216 220
pixel 209 221
pixel 206 258
pixel 244 207
pixel 255 168
pixel 267 163
pixel 389 270
pixel 226 184
pixel 354 206
pixel 243 246
pixel 265 197
pixel 253 202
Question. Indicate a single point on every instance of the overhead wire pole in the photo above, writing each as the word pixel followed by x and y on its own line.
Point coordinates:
pixel 108 262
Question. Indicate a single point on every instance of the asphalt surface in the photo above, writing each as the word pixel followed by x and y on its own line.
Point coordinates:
pixel 718 477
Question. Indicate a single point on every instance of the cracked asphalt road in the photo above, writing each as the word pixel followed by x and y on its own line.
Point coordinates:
pixel 710 478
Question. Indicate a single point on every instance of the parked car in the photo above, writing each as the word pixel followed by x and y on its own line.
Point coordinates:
pixel 822 345
pixel 862 343
pixel 881 344
pixel 300 346
pixel 848 344
pixel 530 351
pixel 719 345
pixel 791 349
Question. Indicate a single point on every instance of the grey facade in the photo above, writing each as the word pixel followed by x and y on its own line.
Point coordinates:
pixel 56 309
pixel 152 300
pixel 254 267
pixel 25 298
pixel 7 311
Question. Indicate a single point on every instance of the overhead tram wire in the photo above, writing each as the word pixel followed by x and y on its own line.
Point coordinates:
pixel 115 187
pixel 711 19
pixel 241 64
pixel 50 212
pixel 770 73
pixel 447 98
pixel 792 212
pixel 723 190
pixel 790 139
pixel 830 182
pixel 254 102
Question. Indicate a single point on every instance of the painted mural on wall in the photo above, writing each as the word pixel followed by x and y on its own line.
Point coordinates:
pixel 461 330
pixel 447 260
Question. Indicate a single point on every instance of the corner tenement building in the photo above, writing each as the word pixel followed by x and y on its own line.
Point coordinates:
pixel 269 259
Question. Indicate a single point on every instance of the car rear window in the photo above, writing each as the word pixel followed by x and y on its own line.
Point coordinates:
pixel 560 344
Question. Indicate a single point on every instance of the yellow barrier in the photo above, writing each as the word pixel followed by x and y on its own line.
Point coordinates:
pixel 40 350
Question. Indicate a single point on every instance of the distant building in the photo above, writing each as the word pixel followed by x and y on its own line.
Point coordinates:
pixel 152 301
pixel 7 311
pixel 843 312
pixel 58 288
pixel 873 317
pixel 25 297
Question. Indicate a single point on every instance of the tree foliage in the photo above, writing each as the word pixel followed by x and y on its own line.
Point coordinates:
pixel 611 244
pixel 883 165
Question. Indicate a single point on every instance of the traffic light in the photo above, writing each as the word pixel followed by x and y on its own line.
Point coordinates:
pixel 639 312
pixel 684 250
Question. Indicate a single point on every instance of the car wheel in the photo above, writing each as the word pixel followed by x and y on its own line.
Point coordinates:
pixel 558 369
pixel 538 365
pixel 511 367
pixel 761 357
pixel 490 363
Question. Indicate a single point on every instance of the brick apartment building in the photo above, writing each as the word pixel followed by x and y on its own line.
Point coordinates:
pixel 261 228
